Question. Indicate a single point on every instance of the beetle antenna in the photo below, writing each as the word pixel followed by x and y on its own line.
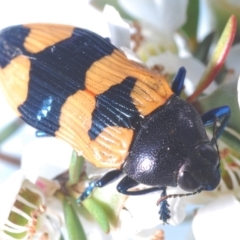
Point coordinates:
pixel 177 195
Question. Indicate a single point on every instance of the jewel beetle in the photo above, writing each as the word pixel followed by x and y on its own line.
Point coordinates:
pixel 75 85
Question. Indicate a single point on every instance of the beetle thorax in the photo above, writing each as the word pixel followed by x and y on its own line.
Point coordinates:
pixel 163 142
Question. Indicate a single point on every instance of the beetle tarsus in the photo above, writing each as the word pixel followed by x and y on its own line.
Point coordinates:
pixel 102 182
pixel 221 114
pixel 86 192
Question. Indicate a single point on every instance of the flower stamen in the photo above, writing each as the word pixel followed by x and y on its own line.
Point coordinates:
pixel 23 219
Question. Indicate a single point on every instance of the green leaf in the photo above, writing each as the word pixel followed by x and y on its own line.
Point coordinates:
pixel 97 212
pixel 10 129
pixel 73 224
pixel 218 57
pixel 225 94
pixel 191 26
pixel 75 168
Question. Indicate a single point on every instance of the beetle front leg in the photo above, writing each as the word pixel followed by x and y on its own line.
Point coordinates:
pixel 221 114
pixel 126 183
pixel 103 181
pixel 177 84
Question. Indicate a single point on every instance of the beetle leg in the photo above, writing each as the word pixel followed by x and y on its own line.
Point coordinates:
pixel 221 114
pixel 177 84
pixel 103 181
pixel 41 134
pixel 107 39
pixel 128 182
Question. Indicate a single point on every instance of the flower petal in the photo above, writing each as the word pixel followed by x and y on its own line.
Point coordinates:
pixel 158 12
pixel 132 56
pixel 47 187
pixel 46 157
pixel 119 29
pixel 71 12
pixel 135 203
pixel 48 227
pixel 171 63
pixel 10 189
pixel 218 219
pixel 177 208
pixel 144 207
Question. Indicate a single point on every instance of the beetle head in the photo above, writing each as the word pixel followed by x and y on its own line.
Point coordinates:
pixel 201 171
pixel 171 148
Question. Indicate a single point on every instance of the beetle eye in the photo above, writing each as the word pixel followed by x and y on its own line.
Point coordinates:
pixel 208 152
pixel 187 182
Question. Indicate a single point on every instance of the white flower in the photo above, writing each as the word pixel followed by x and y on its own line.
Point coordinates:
pixel 46 157
pixel 218 220
pixel 71 12
pixel 23 212
pixel 158 21
pixel 42 160
pixel 15 181
pixel 135 214
pixel 171 63
pixel 119 29
pixel 140 213
pixel 164 15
